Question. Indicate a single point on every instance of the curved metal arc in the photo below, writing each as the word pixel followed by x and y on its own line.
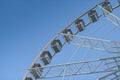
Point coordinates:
pixel 40 54
pixel 56 37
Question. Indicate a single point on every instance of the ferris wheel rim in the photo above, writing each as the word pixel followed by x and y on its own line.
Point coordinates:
pixel 59 33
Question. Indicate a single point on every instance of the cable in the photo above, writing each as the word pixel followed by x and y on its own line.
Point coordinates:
pixel 108 34
pixel 76 50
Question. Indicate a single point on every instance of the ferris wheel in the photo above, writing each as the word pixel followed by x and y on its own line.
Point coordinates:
pixel 86 49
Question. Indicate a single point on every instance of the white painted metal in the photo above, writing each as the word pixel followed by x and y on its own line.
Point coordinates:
pixel 111 17
pixel 86 67
pixel 115 75
pixel 81 68
pixel 95 43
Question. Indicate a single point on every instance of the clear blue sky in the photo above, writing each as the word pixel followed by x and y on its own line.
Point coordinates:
pixel 27 25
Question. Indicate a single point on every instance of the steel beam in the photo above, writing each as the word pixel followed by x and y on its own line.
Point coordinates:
pixel 95 43
pixel 111 17
pixel 80 68
pixel 112 76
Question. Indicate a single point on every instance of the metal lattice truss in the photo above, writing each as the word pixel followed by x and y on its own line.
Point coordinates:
pixel 87 67
pixel 95 43
pixel 112 76
pixel 80 68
